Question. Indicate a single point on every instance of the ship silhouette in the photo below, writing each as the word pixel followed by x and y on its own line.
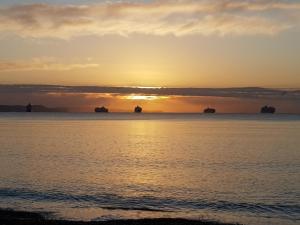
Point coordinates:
pixel 268 109
pixel 101 110
pixel 29 108
pixel 138 109
pixel 209 110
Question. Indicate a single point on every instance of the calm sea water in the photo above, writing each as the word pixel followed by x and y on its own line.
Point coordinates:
pixel 236 168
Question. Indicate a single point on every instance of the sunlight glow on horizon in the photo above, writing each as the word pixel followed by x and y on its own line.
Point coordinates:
pixel 144 97
pixel 166 56
pixel 141 87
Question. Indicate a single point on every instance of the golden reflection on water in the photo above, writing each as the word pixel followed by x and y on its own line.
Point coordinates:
pixel 182 160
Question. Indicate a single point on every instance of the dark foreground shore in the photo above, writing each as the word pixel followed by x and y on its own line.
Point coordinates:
pixel 8 217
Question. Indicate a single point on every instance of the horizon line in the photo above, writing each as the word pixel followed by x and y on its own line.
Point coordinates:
pixel 151 86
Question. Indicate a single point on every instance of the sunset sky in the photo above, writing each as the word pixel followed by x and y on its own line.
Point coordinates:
pixel 153 43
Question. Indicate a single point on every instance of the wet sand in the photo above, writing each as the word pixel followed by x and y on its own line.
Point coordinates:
pixel 8 217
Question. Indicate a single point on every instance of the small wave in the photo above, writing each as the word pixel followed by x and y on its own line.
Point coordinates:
pixel 149 203
pixel 136 209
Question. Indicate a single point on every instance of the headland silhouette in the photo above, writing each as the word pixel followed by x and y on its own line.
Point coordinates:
pixel 30 108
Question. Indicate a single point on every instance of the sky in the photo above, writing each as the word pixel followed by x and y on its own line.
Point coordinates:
pixel 172 44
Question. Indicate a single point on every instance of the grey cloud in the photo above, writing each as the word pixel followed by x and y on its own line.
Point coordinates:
pixel 247 92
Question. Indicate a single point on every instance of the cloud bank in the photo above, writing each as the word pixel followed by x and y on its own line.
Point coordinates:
pixel 247 92
pixel 161 17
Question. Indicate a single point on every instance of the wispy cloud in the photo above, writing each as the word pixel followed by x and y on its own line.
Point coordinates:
pixel 177 17
pixel 41 64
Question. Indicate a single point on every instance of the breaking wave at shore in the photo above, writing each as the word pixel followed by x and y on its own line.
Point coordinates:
pixel 148 203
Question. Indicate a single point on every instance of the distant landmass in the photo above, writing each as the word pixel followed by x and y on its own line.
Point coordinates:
pixel 35 108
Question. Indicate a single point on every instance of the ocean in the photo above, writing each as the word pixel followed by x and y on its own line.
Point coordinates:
pixel 88 166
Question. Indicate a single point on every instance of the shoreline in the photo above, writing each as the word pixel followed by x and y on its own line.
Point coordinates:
pixel 8 216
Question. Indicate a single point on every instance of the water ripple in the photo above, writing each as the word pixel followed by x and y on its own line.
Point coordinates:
pixel 147 203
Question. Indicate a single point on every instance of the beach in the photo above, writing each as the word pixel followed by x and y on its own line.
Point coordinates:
pixel 32 218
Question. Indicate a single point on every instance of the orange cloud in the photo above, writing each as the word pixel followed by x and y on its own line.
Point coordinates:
pixel 182 17
pixel 41 64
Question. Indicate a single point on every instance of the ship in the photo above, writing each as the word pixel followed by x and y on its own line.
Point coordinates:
pixel 101 110
pixel 138 109
pixel 268 109
pixel 209 110
pixel 29 108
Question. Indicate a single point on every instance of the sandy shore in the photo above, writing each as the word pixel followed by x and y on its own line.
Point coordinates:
pixel 8 217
